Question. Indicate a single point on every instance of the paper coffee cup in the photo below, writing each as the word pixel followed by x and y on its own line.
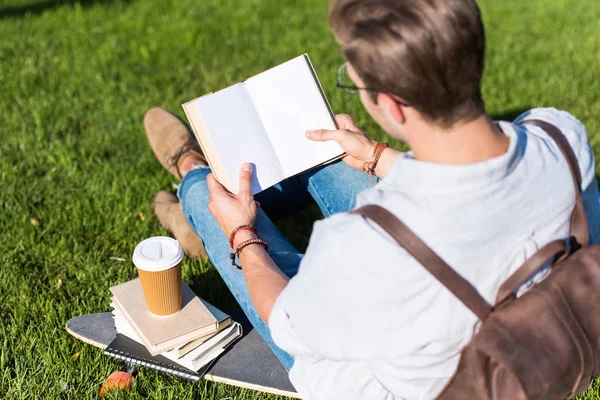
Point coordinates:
pixel 158 262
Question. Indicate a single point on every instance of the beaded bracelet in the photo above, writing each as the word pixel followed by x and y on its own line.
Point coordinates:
pixel 241 247
pixel 238 231
pixel 239 228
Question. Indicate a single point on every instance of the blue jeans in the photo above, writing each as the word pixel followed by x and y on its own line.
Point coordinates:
pixel 334 187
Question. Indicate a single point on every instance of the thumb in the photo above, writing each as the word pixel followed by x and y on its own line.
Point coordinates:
pixel 246 180
pixel 214 187
pixel 323 135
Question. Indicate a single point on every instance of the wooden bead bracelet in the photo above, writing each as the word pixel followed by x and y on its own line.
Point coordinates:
pixel 243 245
pixel 239 229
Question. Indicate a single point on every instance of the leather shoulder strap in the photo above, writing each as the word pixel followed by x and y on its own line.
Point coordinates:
pixel 406 238
pixel 579 223
pixel 555 251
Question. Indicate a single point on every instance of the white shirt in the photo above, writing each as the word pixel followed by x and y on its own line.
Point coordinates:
pixel 364 320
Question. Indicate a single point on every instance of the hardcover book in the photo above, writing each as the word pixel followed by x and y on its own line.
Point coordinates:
pixel 160 334
pixel 263 121
pixel 198 354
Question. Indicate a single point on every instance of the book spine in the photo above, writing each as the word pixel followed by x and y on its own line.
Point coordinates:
pixel 150 364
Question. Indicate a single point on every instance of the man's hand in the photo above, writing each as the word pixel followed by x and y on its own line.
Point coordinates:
pixel 231 210
pixel 264 280
pixel 357 145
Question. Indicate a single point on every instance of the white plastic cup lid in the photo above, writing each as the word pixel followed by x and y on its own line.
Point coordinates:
pixel 157 254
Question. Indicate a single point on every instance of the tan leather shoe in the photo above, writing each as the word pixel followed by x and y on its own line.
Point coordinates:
pixel 170 139
pixel 166 208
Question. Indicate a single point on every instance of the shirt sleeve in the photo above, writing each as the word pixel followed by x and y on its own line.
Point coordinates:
pixel 323 311
pixel 578 138
pixel 309 312
pixel 354 286
pixel 576 134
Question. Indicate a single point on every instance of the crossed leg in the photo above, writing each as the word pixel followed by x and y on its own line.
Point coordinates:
pixel 334 187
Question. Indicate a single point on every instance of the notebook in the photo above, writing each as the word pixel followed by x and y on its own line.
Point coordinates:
pixel 130 351
pixel 263 120
pixel 160 334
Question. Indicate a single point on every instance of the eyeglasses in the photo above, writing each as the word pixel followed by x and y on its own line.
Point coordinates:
pixel 343 82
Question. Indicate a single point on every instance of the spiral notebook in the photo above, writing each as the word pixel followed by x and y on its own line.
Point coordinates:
pixel 133 352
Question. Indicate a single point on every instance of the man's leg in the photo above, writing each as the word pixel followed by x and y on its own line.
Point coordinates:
pixel 194 197
pixel 335 186
pixel 285 199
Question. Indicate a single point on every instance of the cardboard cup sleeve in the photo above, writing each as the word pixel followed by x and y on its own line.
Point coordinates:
pixel 162 290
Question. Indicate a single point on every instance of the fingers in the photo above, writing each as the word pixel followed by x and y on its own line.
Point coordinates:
pixel 246 180
pixel 345 121
pixel 323 135
pixel 346 125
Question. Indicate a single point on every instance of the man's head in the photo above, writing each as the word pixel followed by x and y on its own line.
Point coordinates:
pixel 427 54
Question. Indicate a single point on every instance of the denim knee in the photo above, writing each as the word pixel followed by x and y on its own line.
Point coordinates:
pixel 194 195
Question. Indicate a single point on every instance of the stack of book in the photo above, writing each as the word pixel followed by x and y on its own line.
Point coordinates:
pixel 183 344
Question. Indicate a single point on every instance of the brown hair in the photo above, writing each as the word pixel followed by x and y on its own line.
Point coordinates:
pixel 430 53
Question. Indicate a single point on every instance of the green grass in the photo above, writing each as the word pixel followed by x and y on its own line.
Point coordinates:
pixel 77 175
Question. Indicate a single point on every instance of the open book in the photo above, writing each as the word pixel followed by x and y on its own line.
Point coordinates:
pixel 263 120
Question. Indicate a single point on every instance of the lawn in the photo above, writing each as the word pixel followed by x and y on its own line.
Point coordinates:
pixel 77 175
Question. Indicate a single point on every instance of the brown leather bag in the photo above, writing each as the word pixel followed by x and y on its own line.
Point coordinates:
pixel 544 344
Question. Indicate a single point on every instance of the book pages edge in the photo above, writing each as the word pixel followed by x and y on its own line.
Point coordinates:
pixel 205 142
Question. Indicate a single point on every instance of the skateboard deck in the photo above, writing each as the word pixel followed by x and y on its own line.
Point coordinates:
pixel 248 363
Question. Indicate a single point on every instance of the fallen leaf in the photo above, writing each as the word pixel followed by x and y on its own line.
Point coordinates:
pixel 75 356
pixel 117 381
pixel 34 222
pixel 142 216
pixel 58 283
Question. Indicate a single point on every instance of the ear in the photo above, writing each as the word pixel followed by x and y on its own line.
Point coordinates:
pixel 391 108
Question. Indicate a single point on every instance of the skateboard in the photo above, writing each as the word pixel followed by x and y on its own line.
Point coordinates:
pixel 248 363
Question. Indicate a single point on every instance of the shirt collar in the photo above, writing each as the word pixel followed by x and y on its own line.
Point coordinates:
pixel 411 175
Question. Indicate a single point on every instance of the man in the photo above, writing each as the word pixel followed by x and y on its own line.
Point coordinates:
pixel 356 317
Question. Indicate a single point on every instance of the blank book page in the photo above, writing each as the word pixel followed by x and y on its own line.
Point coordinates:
pixel 289 103
pixel 239 136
